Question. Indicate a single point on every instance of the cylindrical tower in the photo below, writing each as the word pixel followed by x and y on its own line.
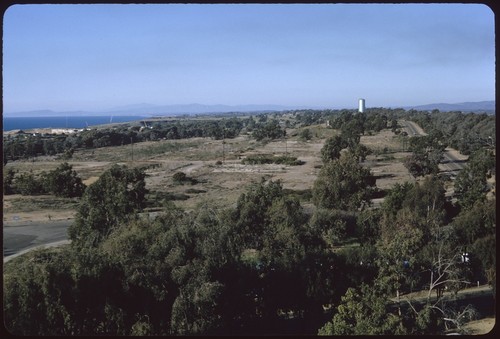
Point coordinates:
pixel 361 108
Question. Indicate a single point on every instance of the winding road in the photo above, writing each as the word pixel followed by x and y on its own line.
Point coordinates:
pixel 450 163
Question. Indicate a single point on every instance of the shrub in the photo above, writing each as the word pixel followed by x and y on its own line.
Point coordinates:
pixel 64 182
pixel 28 184
pixel 260 159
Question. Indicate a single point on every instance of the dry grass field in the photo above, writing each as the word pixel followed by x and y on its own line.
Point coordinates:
pixel 216 166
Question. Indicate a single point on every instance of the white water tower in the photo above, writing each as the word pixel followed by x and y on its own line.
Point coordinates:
pixel 361 108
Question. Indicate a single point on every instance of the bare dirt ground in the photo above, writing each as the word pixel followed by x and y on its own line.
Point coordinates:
pixel 42 208
pixel 482 326
pixel 219 183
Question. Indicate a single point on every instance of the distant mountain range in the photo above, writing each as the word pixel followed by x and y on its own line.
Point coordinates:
pixel 145 109
pixel 477 107
pixel 158 110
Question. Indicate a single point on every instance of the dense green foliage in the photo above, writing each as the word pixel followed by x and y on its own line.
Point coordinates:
pixel 427 152
pixel 343 184
pixel 64 182
pixel 182 178
pixel 8 181
pixel 332 147
pixel 269 130
pixel 204 272
pixel 27 145
pixel 28 184
pixel 113 199
pixel 363 312
pixel 466 132
pixel 259 159
pixel 471 185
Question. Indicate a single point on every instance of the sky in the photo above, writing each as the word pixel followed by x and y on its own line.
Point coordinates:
pixel 95 57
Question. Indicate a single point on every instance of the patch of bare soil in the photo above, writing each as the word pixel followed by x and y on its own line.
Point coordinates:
pixel 482 326
pixel 456 154
pixel 44 208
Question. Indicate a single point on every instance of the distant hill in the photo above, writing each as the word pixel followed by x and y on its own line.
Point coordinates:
pixel 192 109
pixel 145 109
pixel 477 107
pixel 149 110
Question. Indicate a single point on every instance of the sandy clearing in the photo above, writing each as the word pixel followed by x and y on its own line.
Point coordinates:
pixel 482 326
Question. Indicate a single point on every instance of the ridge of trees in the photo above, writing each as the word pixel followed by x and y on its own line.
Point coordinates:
pixel 465 132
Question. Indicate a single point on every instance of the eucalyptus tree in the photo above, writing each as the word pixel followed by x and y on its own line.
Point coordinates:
pixel 343 184
pixel 114 198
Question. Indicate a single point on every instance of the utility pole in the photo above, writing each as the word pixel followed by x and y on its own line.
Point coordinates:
pixel 223 142
pixel 132 144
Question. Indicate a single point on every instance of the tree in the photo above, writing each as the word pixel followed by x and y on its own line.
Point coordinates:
pixel 475 230
pixel 394 199
pixel 427 153
pixel 470 187
pixel 64 182
pixel 332 147
pixel 269 130
pixel 332 225
pixel 420 165
pixel 28 184
pixel 360 152
pixel 31 304
pixel 114 198
pixel 180 177
pixel 471 182
pixel 441 266
pixel 343 184
pixel 400 240
pixel 8 181
pixel 351 132
pixel 363 312
pixel 283 233
pixel 484 250
pixel 427 202
pixel 250 213
pixel 305 134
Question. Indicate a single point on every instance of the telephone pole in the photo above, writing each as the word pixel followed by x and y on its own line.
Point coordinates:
pixel 132 145
pixel 223 142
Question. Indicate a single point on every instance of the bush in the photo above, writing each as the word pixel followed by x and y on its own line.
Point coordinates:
pixel 305 134
pixel 64 182
pixel 8 181
pixel 28 184
pixel 269 159
pixel 181 178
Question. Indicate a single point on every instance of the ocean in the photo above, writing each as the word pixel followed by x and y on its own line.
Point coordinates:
pixel 25 123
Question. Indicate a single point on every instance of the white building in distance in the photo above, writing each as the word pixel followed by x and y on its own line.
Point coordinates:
pixel 361 108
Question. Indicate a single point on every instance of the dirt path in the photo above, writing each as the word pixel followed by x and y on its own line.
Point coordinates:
pixel 195 166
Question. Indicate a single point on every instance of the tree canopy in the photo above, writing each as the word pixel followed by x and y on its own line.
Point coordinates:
pixel 114 198
pixel 343 184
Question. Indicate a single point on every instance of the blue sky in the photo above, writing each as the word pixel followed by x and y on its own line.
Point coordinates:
pixel 95 57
